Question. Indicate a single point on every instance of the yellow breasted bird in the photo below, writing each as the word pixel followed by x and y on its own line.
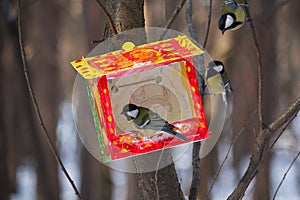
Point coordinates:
pixel 233 16
pixel 217 79
pixel 144 118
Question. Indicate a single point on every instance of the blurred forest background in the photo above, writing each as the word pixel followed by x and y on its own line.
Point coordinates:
pixel 58 31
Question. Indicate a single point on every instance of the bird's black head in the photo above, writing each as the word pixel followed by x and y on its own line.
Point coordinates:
pixel 228 21
pixel 130 111
pixel 222 22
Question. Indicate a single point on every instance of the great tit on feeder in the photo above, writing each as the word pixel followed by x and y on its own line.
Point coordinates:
pixel 233 16
pixel 144 118
pixel 217 79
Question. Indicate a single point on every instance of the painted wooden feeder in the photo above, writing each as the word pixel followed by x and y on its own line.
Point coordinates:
pixel 159 76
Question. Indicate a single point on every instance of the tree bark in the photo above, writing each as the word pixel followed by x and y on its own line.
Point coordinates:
pixel 96 182
pixel 161 184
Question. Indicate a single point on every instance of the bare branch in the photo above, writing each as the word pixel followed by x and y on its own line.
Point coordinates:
pixel 280 121
pixel 260 147
pixel 196 145
pixel 97 41
pixel 109 18
pixel 229 149
pixel 36 107
pixel 285 174
pixel 260 66
pixel 172 18
pixel 265 132
pixel 281 132
pixel 175 14
pixel 208 23
pixel 189 20
pixel 260 140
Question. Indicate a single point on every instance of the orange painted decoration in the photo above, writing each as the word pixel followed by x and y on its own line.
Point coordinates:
pixel 155 53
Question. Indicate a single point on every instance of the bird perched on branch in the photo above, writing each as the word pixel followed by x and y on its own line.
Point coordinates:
pixel 217 79
pixel 233 16
pixel 144 118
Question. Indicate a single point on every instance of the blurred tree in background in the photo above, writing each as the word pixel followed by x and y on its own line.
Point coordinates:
pixel 56 32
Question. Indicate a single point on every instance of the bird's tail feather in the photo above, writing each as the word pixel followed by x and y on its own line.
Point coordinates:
pixel 176 134
pixel 224 98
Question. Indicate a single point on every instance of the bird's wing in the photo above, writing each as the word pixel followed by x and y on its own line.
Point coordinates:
pixel 157 123
pixel 143 125
pixel 156 117
pixel 228 87
pixel 220 81
pixel 226 82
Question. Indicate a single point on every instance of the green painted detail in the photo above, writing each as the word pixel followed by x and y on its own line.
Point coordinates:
pixel 105 158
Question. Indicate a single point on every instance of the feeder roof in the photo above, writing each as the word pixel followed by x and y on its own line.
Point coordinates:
pixel 160 52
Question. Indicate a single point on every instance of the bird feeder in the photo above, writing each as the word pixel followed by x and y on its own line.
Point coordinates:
pixel 159 76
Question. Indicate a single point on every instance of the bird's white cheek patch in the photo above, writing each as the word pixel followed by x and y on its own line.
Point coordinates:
pixel 229 21
pixel 218 68
pixel 133 113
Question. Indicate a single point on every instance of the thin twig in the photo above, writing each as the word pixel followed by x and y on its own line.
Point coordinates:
pixel 108 16
pixel 36 107
pixel 260 149
pixel 259 70
pixel 289 149
pixel 97 41
pixel 175 14
pixel 172 18
pixel 292 110
pixel 228 151
pixel 285 174
pixel 265 132
pixel 196 145
pixel 208 24
pixel 189 20
pixel 281 132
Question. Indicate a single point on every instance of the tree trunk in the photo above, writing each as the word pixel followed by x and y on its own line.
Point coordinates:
pixel 163 184
pixel 160 184
pixel 96 182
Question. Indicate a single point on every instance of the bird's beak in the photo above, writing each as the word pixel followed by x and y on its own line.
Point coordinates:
pixel 122 113
pixel 223 31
